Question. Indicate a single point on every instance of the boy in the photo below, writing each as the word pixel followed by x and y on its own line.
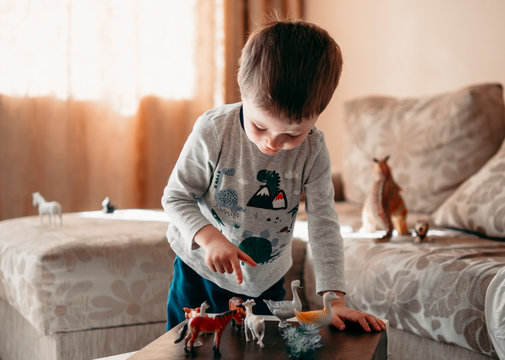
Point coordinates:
pixel 233 195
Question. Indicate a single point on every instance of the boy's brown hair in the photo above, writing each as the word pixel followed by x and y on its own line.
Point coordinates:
pixel 290 69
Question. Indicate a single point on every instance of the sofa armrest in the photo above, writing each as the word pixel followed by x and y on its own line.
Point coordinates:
pixel 338 185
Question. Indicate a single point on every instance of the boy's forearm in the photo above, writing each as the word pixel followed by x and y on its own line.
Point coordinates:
pixel 205 235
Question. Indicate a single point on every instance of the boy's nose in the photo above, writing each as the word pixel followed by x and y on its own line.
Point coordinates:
pixel 275 142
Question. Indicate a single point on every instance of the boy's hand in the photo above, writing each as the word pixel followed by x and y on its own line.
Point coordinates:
pixel 342 313
pixel 220 254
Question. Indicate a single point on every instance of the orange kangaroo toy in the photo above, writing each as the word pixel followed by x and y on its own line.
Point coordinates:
pixel 200 324
pixel 384 207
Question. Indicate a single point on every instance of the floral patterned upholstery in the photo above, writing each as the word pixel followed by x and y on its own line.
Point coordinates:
pixel 479 204
pixel 435 142
pixel 435 289
pixel 89 273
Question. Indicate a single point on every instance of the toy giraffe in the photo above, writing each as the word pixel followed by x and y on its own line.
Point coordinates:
pixel 384 206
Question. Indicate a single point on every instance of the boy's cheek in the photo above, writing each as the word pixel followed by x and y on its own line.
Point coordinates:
pixel 293 144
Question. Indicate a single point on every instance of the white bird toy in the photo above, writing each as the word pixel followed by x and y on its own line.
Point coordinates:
pixel 284 310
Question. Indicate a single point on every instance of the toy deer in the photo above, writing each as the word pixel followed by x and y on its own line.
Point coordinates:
pixel 200 324
pixel 199 311
pixel 255 324
pixel 384 207
pixel 191 313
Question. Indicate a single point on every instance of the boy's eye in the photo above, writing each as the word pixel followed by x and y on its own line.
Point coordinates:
pixel 258 128
pixel 294 136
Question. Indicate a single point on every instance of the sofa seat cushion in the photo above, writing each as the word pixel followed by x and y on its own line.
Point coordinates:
pixel 434 289
pixel 435 142
pixel 92 272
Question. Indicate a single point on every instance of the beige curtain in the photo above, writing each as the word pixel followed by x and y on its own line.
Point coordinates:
pixel 77 151
pixel 95 115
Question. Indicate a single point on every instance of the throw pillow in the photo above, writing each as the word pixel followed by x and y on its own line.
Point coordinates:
pixel 479 204
pixel 435 142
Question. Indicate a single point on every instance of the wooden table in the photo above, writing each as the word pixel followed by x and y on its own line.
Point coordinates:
pixel 352 344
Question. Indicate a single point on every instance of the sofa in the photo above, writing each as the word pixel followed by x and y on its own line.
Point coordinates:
pixel 93 287
pixel 97 285
pixel 443 298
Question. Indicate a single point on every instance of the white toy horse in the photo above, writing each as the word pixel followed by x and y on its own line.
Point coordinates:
pixel 51 208
pixel 256 324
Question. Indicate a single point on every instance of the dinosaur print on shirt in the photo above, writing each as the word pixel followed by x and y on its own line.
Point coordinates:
pixel 260 248
pixel 269 196
pixel 227 198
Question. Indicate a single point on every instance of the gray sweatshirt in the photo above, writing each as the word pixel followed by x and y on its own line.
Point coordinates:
pixel 222 178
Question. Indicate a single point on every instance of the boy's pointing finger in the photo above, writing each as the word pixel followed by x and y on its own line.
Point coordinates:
pixel 237 270
pixel 246 258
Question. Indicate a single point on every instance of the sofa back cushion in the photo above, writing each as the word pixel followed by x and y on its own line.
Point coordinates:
pixel 479 204
pixel 435 142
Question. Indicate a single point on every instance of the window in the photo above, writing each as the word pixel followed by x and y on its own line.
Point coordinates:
pixel 112 50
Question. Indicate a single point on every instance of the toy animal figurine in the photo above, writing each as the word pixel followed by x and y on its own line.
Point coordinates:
pixel 237 303
pixel 107 207
pixel 302 340
pixel 421 230
pixel 51 208
pixel 284 310
pixel 255 324
pixel 318 318
pixel 200 324
pixel 199 311
pixel 384 207
pixel 191 313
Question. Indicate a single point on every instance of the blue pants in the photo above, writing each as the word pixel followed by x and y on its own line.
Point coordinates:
pixel 188 289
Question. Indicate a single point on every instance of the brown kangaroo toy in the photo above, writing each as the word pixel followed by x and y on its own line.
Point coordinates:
pixel 384 207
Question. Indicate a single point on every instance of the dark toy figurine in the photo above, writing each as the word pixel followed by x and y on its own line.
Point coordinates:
pixel 421 230
pixel 107 207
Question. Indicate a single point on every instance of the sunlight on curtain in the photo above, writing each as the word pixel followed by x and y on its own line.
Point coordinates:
pixel 116 51
pixel 219 52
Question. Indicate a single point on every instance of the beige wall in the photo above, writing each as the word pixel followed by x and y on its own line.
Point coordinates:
pixel 409 48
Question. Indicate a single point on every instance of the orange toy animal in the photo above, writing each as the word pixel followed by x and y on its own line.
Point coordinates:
pixel 199 324
pixel 318 318
pixel 237 303
pixel 191 313
pixel 384 207
pixel 199 311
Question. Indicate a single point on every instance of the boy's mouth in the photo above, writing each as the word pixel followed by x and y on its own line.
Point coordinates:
pixel 269 151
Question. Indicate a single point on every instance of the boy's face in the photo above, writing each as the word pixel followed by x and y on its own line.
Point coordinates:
pixel 271 134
